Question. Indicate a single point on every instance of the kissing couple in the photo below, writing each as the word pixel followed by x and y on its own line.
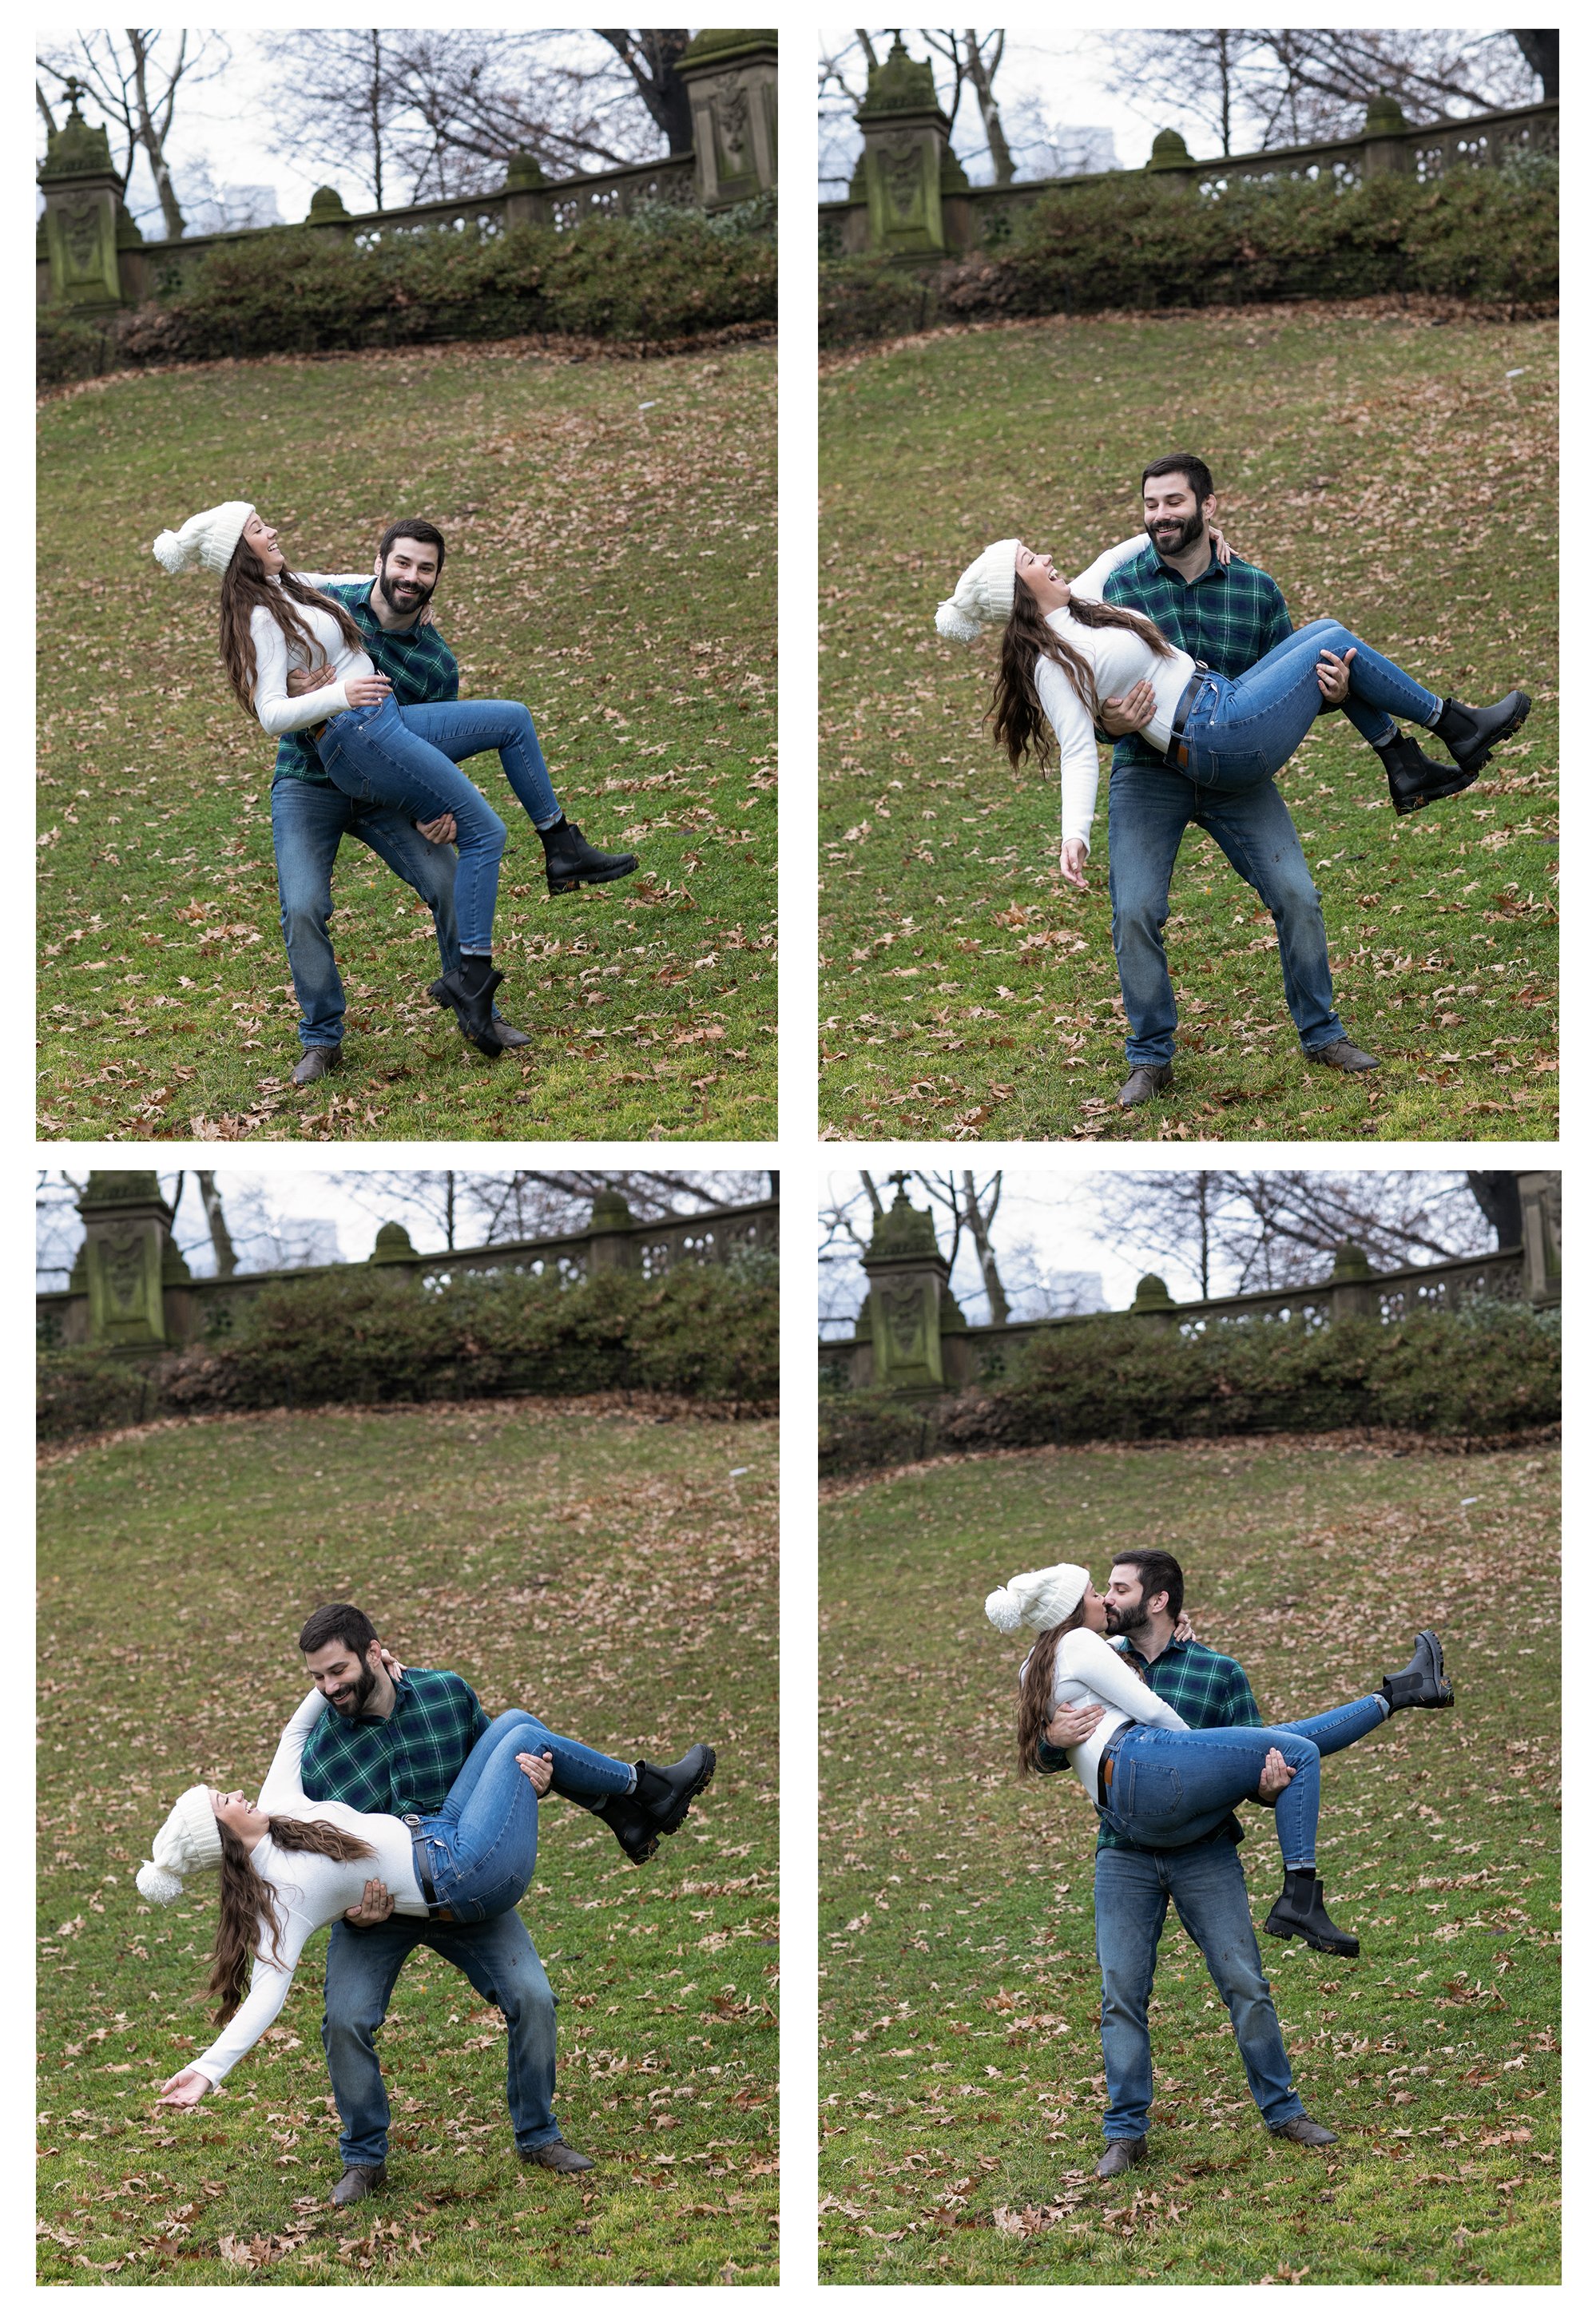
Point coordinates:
pixel 397 1814
pixel 1165 1737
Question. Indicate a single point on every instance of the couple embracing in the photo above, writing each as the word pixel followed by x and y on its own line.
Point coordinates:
pixel 1165 1737
pixel 397 1814
pixel 348 674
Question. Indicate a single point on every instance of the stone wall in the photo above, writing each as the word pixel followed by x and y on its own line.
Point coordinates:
pixel 93 259
pixel 131 1290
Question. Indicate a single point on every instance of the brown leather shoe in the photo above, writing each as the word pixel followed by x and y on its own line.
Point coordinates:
pixel 558 2156
pixel 1120 2156
pixel 359 2183
pixel 508 1035
pixel 1147 1081
pixel 314 1064
pixel 1303 2130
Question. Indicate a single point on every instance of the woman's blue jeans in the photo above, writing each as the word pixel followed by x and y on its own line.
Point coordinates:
pixel 410 758
pixel 1173 1788
pixel 481 1847
pixel 1243 728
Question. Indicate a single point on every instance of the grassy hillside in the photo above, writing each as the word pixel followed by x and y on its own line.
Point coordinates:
pixel 604 1571
pixel 611 563
pixel 1395 472
pixel 962 2084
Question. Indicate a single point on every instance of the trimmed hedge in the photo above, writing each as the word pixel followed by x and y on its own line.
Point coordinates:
pixel 709 1331
pixel 1486 1371
pixel 662 275
pixel 1484 235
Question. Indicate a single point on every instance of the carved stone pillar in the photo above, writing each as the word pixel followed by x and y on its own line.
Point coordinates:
pixel 1152 1302
pixel 392 1245
pixel 524 200
pixel 731 82
pixel 83 213
pixel 611 1247
pixel 1353 1289
pixel 1385 151
pixel 907 164
pixel 128 1257
pixel 910 1303
pixel 1541 1195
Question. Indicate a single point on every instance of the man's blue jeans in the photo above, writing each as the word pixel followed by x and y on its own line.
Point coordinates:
pixel 480 1846
pixel 1134 1892
pixel 410 758
pixel 309 819
pixel 498 1958
pixel 1150 807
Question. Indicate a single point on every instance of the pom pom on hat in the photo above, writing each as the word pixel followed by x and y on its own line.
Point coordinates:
pixel 208 539
pixel 986 592
pixel 1038 1599
pixel 189 1840
pixel 158 1884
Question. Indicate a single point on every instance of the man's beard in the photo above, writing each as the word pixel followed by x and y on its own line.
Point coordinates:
pixel 350 1709
pixel 414 602
pixel 1122 1620
pixel 1191 530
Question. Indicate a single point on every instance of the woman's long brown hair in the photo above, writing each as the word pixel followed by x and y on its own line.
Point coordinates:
pixel 244 585
pixel 1036 1688
pixel 249 1905
pixel 1019 721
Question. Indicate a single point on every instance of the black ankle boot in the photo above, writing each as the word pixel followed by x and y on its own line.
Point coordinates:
pixel 1471 734
pixel 1413 778
pixel 469 989
pixel 664 1791
pixel 1423 1682
pixel 1300 1909
pixel 627 1822
pixel 571 861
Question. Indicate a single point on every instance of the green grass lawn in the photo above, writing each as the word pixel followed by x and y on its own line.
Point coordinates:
pixel 607 1572
pixel 1396 473
pixel 613 565
pixel 962 2084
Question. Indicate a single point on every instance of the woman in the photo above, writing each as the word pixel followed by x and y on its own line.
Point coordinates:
pixel 1160 1784
pixel 1065 653
pixel 275 627
pixel 290 1865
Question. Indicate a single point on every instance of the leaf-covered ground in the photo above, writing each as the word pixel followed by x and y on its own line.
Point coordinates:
pixel 605 1570
pixel 611 530
pixel 1391 470
pixel 962 2084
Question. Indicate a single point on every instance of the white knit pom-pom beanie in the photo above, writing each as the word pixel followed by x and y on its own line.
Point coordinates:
pixel 189 1840
pixel 207 539
pixel 986 592
pixel 1038 1599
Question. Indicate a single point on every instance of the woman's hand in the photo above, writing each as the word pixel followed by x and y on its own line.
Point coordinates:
pixel 1335 673
pixel 1072 861
pixel 366 691
pixel 1185 1632
pixel 539 1770
pixel 1128 712
pixel 183 2091
pixel 391 1666
pixel 1221 545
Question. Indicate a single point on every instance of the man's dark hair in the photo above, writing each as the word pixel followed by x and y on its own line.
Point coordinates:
pixel 1186 463
pixel 338 1622
pixel 1160 1575
pixel 430 536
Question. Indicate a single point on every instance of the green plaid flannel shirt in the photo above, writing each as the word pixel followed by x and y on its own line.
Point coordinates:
pixel 416 662
pixel 1229 616
pixel 1206 1689
pixel 406 1763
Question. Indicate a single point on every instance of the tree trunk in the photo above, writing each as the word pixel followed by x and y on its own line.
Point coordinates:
pixel 985 1254
pixel 1540 51
pixel 152 138
pixel 377 126
pixel 1003 160
pixel 870 54
pixel 875 1197
pixel 221 1239
pixel 1497 1192
pixel 50 119
pixel 652 60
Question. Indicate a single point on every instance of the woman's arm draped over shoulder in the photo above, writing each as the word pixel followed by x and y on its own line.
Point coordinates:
pixel 1093 580
pixel 281 1791
pixel 274 705
pixel 1088 1659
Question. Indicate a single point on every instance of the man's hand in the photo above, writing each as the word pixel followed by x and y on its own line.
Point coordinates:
pixel 308 679
pixel 1276 1777
pixel 1335 673
pixel 188 2088
pixel 376 1904
pixel 539 1770
pixel 440 832
pixel 1072 861
pixel 366 691
pixel 1129 712
pixel 1071 1724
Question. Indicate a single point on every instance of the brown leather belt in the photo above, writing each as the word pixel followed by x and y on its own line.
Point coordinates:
pixel 1105 1778
pixel 315 731
pixel 1177 756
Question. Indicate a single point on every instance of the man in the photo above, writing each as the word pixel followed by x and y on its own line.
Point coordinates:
pixel 310 814
pixel 1133 1887
pixel 1228 615
pixel 396 1744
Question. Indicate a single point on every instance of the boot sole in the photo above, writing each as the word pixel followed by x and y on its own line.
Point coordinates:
pixel 1452 788
pixel 1349 1947
pixel 668 1826
pixel 1481 757
pixel 594 878
pixel 484 1046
